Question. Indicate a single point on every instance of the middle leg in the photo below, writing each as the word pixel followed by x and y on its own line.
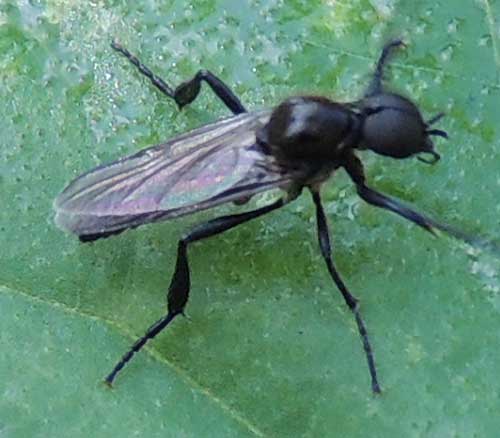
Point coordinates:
pixel 350 300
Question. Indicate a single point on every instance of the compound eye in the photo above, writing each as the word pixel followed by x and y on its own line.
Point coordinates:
pixel 394 132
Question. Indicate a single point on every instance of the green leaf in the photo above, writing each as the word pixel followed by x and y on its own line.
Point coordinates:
pixel 269 349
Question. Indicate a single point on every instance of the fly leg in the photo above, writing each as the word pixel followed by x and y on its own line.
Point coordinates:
pixel 178 291
pixel 187 91
pixel 354 168
pixel 375 86
pixel 350 300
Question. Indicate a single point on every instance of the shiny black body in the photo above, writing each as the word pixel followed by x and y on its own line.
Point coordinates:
pixel 300 144
pixel 310 129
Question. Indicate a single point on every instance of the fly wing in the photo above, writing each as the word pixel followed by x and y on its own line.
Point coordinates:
pixel 209 166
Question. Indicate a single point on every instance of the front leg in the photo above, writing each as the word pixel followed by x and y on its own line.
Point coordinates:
pixel 350 300
pixel 354 168
pixel 376 86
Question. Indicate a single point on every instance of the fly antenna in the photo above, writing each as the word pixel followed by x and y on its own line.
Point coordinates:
pixel 438 132
pixel 435 119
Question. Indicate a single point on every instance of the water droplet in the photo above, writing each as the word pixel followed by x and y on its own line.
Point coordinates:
pixel 484 40
pixel 446 53
pixel 420 28
pixel 452 26
pixel 485 90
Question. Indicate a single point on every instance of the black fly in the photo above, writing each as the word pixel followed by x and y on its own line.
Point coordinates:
pixel 297 145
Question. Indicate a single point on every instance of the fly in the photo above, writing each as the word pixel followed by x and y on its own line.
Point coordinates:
pixel 297 145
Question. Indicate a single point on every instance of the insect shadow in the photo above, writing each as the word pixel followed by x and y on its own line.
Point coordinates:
pixel 299 144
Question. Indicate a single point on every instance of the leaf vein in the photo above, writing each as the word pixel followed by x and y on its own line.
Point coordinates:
pixel 226 408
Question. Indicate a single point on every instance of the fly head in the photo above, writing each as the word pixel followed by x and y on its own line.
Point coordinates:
pixel 393 126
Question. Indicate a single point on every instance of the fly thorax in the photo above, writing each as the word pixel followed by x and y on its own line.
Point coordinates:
pixel 310 129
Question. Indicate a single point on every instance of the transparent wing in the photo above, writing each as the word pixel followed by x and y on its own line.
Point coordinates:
pixel 209 166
